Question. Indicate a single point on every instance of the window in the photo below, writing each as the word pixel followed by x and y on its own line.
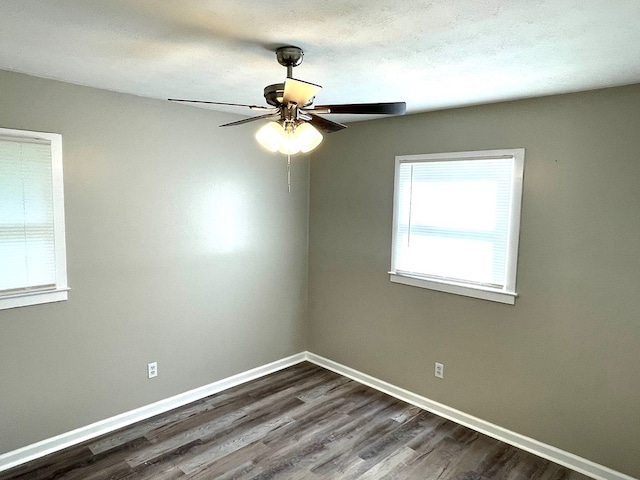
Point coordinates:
pixel 32 241
pixel 456 222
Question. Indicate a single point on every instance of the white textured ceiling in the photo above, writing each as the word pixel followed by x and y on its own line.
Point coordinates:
pixel 431 54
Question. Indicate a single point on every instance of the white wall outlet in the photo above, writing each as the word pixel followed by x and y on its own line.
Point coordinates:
pixel 439 371
pixel 152 370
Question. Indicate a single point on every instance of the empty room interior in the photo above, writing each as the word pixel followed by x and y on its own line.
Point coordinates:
pixel 189 261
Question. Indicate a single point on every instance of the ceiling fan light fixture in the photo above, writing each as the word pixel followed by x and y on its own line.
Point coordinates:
pixel 302 138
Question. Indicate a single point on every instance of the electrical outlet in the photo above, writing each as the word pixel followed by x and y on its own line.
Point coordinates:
pixel 152 370
pixel 439 371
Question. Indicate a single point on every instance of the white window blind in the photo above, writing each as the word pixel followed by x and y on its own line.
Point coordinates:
pixel 456 219
pixel 32 259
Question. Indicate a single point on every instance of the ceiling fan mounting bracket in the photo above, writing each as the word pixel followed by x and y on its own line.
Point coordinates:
pixel 289 57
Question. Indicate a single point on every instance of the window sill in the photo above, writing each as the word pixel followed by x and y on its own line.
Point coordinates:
pixel 456 288
pixel 33 298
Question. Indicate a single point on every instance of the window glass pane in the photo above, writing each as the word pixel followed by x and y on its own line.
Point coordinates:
pixel 456 205
pixel 455 259
pixel 27 246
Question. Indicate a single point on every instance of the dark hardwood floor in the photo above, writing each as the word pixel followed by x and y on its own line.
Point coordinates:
pixel 300 423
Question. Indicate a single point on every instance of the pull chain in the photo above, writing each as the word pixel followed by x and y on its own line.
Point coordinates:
pixel 289 172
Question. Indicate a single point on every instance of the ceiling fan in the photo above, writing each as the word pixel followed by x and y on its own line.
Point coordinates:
pixel 297 122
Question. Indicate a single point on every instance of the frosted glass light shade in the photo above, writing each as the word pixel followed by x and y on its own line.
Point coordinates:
pixel 290 144
pixel 270 136
pixel 308 136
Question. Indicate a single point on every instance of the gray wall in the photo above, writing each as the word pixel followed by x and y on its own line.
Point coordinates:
pixel 563 364
pixel 183 248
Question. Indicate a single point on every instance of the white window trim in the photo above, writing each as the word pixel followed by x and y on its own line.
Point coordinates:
pixel 59 293
pixel 508 294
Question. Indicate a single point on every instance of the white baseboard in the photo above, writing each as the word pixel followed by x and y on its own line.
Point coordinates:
pixel 531 445
pixel 82 434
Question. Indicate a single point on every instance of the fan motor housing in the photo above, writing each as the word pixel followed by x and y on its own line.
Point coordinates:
pixel 274 94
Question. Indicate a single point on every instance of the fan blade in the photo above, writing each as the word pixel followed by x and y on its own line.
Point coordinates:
pixel 252 107
pixel 389 108
pixel 299 92
pixel 251 119
pixel 325 125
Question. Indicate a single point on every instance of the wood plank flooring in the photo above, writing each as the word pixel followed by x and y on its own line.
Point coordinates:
pixel 303 422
